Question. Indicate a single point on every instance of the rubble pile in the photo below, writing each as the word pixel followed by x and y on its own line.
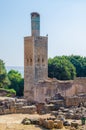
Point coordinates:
pixel 60 113
pixel 52 123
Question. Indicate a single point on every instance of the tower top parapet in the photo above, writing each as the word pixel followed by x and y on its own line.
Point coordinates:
pixel 35 14
pixel 35 24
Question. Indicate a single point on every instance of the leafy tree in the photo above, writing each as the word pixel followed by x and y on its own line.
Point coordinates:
pixel 77 61
pixel 4 81
pixel 61 68
pixel 17 82
pixel 80 65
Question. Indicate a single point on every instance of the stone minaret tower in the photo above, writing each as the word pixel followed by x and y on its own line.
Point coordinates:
pixel 35 57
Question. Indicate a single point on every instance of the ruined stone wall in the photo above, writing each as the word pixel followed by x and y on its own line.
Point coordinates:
pixel 44 90
pixel 65 87
pixel 74 101
pixel 47 89
pixel 80 85
pixel 72 87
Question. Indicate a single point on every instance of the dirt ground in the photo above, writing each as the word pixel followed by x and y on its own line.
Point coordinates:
pixel 13 122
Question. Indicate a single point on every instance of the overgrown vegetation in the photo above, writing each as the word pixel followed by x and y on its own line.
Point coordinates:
pixel 4 81
pixel 10 92
pixel 17 82
pixel 12 81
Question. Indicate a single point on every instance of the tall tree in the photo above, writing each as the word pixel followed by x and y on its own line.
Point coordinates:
pixel 80 64
pixel 4 81
pixel 61 68
pixel 17 82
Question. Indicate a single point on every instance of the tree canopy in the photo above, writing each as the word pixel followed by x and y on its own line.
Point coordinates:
pixel 61 68
pixel 11 81
pixel 79 63
pixel 67 67
pixel 4 81
pixel 17 82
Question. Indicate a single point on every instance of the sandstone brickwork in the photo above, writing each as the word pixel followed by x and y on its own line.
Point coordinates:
pixel 40 57
pixel 28 66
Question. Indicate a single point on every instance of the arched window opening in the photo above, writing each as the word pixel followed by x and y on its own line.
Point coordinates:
pixel 38 60
pixel 30 61
pixel 42 60
pixel 27 61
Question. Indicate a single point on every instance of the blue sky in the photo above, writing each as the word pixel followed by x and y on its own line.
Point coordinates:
pixel 63 20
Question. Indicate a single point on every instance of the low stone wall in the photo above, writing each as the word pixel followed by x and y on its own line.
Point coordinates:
pixel 23 110
pixel 26 110
pixel 74 101
pixel 14 105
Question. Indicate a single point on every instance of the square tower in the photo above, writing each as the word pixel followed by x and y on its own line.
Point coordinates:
pixel 35 57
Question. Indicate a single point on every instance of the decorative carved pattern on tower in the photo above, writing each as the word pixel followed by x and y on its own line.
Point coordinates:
pixel 28 52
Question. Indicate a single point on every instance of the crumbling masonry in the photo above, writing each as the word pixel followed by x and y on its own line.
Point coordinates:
pixel 37 86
